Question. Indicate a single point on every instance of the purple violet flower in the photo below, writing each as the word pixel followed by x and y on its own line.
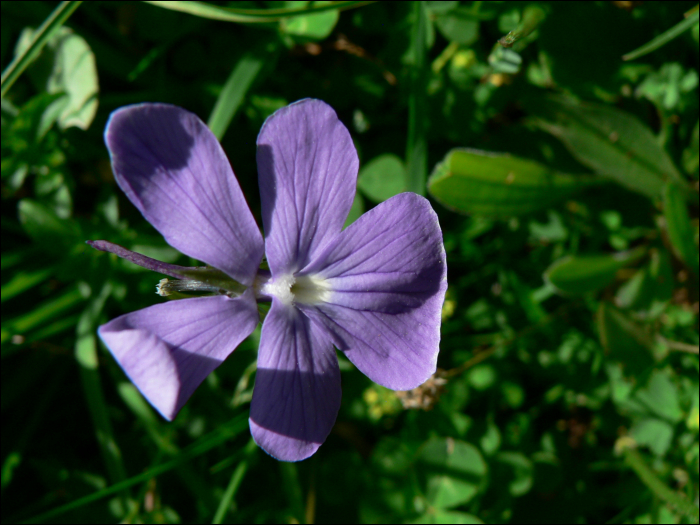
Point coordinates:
pixel 374 290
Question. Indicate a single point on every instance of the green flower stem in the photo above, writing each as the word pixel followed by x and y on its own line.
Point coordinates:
pixel 679 503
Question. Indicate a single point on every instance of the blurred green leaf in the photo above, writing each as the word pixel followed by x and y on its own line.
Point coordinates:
pixel 665 37
pixel 653 433
pixel 577 274
pixel 453 470
pixel 215 438
pixel 23 281
pixel 46 228
pixel 41 37
pixel 611 142
pixel 691 155
pixel 310 27
pixel 417 142
pixel 624 340
pixel 447 517
pixel 382 177
pixel 72 72
pixel 43 312
pixel 250 16
pixel 660 396
pixel 458 25
pixel 471 181
pixel 237 86
pixel 679 229
pixel 650 287
pixel 522 468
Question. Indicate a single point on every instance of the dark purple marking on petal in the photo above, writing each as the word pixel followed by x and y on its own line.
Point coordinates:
pixel 175 172
pixel 172 270
pixel 388 276
pixel 168 349
pixel 297 385
pixel 307 167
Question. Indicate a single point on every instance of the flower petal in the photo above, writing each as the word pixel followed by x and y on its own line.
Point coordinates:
pixel 297 386
pixel 387 275
pixel 168 349
pixel 307 167
pixel 174 171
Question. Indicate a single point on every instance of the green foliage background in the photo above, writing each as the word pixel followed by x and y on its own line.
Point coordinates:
pixel 566 182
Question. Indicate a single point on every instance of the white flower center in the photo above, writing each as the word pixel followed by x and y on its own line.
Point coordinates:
pixel 306 289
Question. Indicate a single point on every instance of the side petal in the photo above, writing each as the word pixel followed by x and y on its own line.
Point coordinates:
pixel 387 278
pixel 175 172
pixel 297 386
pixel 168 349
pixel 307 167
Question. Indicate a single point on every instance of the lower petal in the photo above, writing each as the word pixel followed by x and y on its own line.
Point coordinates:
pixel 168 349
pixel 396 350
pixel 297 385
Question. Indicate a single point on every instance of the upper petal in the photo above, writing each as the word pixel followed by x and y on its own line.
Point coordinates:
pixel 387 276
pixel 168 349
pixel 297 385
pixel 175 172
pixel 307 167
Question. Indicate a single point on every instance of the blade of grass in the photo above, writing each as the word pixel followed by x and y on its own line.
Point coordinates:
pixel 417 147
pixel 23 281
pixel 31 424
pixel 159 434
pixel 222 434
pixel 665 37
pixel 40 37
pixel 237 86
pixel 41 314
pixel 235 482
pixel 86 356
pixel 292 487
pixel 250 16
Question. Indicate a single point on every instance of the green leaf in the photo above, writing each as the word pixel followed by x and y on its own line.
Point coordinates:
pixel 250 16
pixel 611 142
pixel 23 281
pixel 653 433
pixel 453 471
pixel 471 181
pixel 42 313
pixel 382 178
pixel 46 228
pixel 66 67
pixel 660 396
pixel 446 517
pixel 577 274
pixel 624 340
pixel 650 287
pixel 75 74
pixel 223 433
pixel 458 25
pixel 521 478
pixel 679 228
pixel 665 37
pixel 42 35
pixel 310 27
pixel 417 142
pixel 237 86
